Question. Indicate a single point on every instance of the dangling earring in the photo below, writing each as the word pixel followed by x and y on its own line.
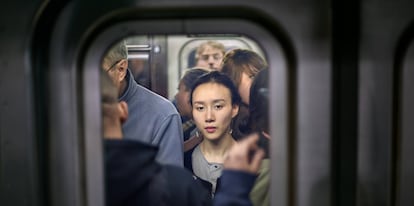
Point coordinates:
pixel 231 125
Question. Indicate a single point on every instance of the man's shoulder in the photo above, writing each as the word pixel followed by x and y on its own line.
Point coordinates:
pixel 154 100
pixel 150 95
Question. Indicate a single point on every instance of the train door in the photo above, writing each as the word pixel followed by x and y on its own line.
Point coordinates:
pixel 385 113
pixel 296 41
pixel 82 75
pixel 341 93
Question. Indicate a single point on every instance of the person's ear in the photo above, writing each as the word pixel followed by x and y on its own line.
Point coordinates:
pixel 123 111
pixel 235 110
pixel 122 69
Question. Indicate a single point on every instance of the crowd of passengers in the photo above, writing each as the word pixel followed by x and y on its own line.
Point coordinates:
pixel 209 146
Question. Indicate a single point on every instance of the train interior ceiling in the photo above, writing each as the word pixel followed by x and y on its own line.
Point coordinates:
pixel 341 82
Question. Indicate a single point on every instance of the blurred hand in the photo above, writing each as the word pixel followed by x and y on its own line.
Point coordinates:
pixel 245 155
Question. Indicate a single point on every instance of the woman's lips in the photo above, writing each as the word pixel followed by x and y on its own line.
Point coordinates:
pixel 210 129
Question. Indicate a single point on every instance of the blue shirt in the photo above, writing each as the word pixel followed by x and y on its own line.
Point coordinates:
pixel 154 120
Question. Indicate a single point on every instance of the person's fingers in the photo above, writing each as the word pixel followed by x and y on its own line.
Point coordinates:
pixel 244 146
pixel 257 160
pixel 251 139
pixel 245 155
pixel 249 142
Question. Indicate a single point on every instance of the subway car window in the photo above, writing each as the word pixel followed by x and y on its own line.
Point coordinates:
pixel 134 65
pixel 155 60
pixel 148 68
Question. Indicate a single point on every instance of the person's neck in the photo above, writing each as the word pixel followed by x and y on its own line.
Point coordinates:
pixel 113 131
pixel 214 151
pixel 123 87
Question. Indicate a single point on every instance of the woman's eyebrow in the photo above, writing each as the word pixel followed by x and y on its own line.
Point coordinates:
pixel 214 101
pixel 219 100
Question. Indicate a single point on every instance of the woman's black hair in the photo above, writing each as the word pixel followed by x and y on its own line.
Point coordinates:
pixel 259 102
pixel 191 75
pixel 219 78
pixel 259 108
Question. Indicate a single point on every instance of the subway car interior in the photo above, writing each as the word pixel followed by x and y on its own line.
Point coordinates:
pixel 341 72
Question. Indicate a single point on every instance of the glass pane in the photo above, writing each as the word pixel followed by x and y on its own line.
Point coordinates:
pixel 160 63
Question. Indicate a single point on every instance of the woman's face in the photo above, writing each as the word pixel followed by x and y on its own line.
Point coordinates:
pixel 244 87
pixel 183 100
pixel 213 110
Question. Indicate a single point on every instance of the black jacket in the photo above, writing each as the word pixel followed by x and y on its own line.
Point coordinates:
pixel 133 177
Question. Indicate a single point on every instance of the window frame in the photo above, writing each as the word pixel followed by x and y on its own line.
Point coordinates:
pixel 279 94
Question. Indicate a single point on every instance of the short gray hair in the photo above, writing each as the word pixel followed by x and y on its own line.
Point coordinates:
pixel 115 53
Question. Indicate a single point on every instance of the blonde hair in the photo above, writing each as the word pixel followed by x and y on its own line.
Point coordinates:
pixel 210 43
